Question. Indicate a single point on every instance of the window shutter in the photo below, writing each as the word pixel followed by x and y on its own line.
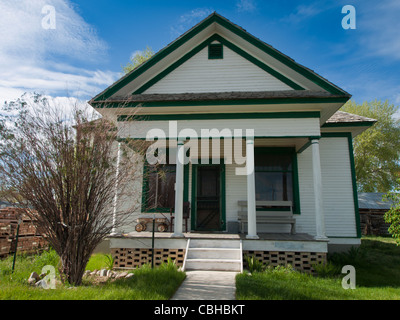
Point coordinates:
pixel 215 51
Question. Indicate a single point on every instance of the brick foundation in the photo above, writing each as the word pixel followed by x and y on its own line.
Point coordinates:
pixel 130 258
pixel 300 261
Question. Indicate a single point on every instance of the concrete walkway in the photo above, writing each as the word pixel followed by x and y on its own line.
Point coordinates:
pixel 207 285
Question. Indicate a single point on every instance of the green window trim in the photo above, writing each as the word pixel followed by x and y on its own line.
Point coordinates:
pixel 145 188
pixel 295 171
pixel 215 51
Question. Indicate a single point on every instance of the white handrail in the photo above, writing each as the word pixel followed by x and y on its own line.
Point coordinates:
pixel 186 253
pixel 241 256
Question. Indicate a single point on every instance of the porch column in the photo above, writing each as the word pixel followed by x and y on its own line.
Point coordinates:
pixel 115 202
pixel 180 155
pixel 251 190
pixel 317 179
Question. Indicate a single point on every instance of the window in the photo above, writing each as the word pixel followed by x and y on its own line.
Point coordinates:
pixel 215 51
pixel 276 175
pixel 159 188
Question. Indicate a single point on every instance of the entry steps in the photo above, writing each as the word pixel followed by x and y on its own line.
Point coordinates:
pixel 214 254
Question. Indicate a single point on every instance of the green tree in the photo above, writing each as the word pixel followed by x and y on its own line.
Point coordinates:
pixel 393 215
pixel 138 59
pixel 376 150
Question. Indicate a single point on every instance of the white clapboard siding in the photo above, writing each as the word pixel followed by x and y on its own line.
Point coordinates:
pixel 305 223
pixel 193 128
pixel 337 188
pixel 232 73
pixel 236 189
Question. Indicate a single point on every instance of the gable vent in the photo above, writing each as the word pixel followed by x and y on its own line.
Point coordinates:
pixel 215 51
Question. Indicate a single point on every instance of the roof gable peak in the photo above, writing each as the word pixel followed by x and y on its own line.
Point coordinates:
pixel 214 23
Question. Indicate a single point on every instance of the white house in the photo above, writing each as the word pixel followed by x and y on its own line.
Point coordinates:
pixel 267 163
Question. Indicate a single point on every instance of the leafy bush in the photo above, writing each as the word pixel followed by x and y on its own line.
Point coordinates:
pixel 109 261
pixel 254 265
pixel 170 265
pixel 355 256
pixel 327 269
pixel 49 257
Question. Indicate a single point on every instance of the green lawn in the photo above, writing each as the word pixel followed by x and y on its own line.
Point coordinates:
pixel 377 265
pixel 147 284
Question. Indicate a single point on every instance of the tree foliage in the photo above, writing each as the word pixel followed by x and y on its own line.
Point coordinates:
pixel 376 150
pixel 138 59
pixel 393 215
pixel 61 161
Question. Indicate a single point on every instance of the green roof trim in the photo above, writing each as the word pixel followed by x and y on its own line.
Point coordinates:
pixel 348 124
pixel 219 116
pixel 226 102
pixel 231 46
pixel 214 17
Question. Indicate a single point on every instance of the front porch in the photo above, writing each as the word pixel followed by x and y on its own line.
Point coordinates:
pixel 211 192
pixel 300 250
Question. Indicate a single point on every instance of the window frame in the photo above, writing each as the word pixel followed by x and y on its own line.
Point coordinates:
pixel 215 57
pixel 295 174
pixel 145 187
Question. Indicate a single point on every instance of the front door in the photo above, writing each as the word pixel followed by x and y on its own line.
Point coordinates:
pixel 208 194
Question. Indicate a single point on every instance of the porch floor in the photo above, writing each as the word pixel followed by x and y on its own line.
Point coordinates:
pixel 220 235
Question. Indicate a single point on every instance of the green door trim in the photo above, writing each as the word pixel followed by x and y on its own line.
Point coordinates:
pixel 193 214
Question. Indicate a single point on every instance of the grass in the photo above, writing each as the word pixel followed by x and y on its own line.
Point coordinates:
pixel 377 265
pixel 147 284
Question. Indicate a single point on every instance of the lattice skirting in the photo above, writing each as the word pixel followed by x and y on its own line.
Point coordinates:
pixel 130 258
pixel 300 261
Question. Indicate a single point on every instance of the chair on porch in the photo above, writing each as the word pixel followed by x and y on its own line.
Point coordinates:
pixel 186 213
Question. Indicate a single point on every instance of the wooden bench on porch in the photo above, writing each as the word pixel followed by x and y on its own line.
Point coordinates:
pixel 269 216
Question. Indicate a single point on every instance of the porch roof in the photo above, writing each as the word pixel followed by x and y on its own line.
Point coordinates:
pixel 345 117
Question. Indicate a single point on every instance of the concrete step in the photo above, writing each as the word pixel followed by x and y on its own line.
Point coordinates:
pixel 213 264
pixel 214 243
pixel 214 253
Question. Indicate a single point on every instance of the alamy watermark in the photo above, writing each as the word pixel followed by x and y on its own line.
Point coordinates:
pixel 197 146
pixel 349 20
pixel 349 280
pixel 49 280
pixel 49 20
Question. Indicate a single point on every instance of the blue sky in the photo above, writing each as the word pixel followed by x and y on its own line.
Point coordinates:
pixel 92 39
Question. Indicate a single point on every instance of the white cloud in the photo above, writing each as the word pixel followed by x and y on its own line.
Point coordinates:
pixel 41 60
pixel 246 6
pixel 22 32
pixel 189 20
pixel 378 24
pixel 303 12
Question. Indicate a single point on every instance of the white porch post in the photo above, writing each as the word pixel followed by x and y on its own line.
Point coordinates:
pixel 251 190
pixel 317 179
pixel 115 202
pixel 180 155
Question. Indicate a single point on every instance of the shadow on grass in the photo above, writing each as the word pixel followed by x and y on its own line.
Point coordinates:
pixel 377 262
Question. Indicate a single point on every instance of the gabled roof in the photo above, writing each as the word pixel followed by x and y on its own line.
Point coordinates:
pixel 147 73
